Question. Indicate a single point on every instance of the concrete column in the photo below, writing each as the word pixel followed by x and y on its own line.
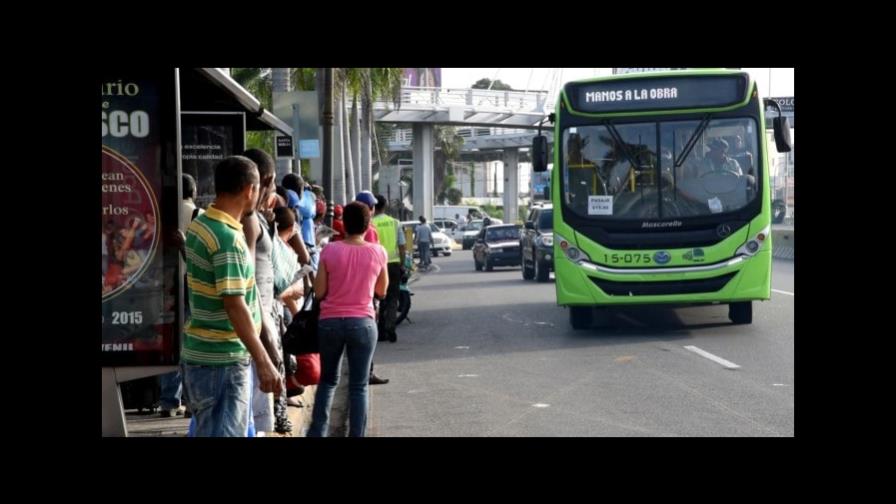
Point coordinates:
pixel 423 171
pixel 317 167
pixel 511 185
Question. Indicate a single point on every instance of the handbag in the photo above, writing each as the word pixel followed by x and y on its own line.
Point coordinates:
pixel 301 335
pixel 308 372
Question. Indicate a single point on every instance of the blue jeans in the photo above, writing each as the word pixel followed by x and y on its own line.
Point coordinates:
pixel 357 336
pixel 219 398
pixel 171 389
pixel 424 253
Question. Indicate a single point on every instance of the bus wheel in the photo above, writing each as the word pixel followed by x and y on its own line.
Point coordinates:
pixel 528 273
pixel 580 317
pixel 741 313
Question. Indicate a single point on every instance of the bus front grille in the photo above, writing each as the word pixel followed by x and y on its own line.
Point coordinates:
pixel 663 288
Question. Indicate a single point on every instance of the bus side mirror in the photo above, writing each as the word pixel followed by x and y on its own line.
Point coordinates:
pixel 539 154
pixel 782 134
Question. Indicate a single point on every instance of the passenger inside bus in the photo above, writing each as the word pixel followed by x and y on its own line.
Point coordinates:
pixel 582 172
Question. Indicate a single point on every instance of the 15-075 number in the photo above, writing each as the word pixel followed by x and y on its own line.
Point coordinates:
pixel 627 258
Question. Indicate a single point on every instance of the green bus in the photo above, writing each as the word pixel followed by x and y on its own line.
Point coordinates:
pixel 661 192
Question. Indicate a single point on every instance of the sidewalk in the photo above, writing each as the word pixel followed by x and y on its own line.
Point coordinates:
pixel 152 425
pixel 782 241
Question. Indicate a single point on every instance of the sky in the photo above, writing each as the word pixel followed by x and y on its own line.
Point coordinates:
pixel 541 78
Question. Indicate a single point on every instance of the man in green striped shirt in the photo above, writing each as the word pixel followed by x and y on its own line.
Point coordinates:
pixel 223 331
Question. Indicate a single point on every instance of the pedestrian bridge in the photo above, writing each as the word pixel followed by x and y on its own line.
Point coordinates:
pixel 487 119
pixel 465 107
pixel 478 139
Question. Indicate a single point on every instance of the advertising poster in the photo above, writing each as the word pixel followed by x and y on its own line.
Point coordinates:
pixel 140 182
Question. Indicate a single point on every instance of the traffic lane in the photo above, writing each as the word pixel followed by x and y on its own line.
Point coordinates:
pixel 489 336
pixel 462 304
pixel 782 277
pixel 542 382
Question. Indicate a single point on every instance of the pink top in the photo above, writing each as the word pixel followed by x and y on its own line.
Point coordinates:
pixel 351 274
pixel 371 235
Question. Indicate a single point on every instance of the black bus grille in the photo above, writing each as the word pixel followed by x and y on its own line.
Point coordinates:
pixel 661 288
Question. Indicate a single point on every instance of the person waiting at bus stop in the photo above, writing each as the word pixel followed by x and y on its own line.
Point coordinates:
pixel 351 272
pixel 222 335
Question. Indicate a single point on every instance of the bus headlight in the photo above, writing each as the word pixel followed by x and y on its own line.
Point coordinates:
pixel 754 244
pixel 572 252
pixel 545 241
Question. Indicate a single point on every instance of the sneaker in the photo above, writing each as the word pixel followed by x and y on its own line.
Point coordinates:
pixel 168 413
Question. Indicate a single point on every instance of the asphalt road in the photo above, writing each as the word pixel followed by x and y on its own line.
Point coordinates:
pixel 489 354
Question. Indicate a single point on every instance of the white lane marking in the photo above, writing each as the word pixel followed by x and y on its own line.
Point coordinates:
pixel 461 348
pixel 506 317
pixel 714 358
pixel 468 376
pixel 780 385
pixel 782 292
pixel 541 405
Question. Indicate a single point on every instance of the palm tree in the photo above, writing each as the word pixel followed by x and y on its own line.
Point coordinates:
pixel 257 81
pixel 368 85
pixel 355 130
pixel 448 145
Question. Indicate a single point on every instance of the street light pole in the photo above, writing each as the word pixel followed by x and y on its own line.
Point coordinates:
pixel 327 123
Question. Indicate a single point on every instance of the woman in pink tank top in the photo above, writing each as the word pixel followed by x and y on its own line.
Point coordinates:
pixel 351 272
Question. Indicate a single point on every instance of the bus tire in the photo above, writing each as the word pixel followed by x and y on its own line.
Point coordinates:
pixel 581 317
pixel 741 313
pixel 542 271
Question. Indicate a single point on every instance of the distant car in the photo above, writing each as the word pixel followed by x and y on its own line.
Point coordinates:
pixel 466 235
pixel 441 241
pixel 537 243
pixel 446 225
pixel 497 246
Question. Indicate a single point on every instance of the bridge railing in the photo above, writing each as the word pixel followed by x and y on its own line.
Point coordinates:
pixel 521 101
pixel 406 135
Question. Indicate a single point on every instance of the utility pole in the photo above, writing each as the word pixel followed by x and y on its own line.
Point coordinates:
pixel 327 123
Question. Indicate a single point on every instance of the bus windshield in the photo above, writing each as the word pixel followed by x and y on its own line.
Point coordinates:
pixel 657 170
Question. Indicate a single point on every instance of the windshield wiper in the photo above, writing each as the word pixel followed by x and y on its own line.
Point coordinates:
pixel 689 146
pixel 618 139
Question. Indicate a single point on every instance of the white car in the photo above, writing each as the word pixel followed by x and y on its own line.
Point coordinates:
pixel 441 243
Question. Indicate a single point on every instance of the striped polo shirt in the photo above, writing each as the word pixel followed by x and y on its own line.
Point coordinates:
pixel 218 264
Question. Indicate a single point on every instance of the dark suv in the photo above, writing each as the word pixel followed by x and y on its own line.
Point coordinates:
pixel 537 243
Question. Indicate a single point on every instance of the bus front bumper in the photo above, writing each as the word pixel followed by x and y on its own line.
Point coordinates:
pixel 743 278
